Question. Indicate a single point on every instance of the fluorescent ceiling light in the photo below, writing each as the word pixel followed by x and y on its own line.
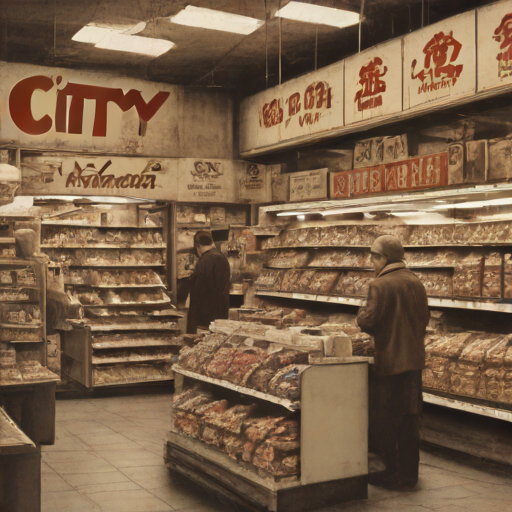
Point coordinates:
pixel 89 34
pixel 135 44
pixel 318 14
pixel 476 204
pixel 216 20
pixel 122 39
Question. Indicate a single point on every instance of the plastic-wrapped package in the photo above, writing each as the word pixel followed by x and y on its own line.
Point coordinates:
pixel 286 383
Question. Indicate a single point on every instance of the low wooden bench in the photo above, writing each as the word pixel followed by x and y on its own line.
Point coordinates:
pixel 20 469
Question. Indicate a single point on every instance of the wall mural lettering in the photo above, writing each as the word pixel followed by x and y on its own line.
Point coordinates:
pixel 205 177
pixel 72 122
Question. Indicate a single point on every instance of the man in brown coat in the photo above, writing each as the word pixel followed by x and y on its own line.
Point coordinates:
pixel 396 314
pixel 210 284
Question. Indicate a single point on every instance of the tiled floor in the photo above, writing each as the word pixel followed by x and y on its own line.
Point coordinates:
pixel 108 458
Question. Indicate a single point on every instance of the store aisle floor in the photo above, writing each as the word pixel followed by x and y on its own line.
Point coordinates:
pixel 108 458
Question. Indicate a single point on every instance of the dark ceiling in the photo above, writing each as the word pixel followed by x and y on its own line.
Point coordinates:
pixel 40 32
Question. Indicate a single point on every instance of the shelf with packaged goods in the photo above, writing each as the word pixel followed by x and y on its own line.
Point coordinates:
pixel 89 225
pixel 7 240
pixel 98 327
pixel 363 269
pixel 432 301
pixel 27 341
pixel 115 286
pixel 110 345
pixel 105 246
pixel 104 265
pixel 131 359
pixel 288 404
pixel 462 245
pixel 21 326
pixel 129 304
pixel 129 382
pixel 55 378
pixel 460 405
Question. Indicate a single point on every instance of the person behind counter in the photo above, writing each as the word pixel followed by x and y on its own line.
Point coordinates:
pixel 396 314
pixel 210 284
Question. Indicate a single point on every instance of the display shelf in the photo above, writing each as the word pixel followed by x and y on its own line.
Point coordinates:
pixel 12 438
pixel 116 286
pixel 284 402
pixel 85 224
pixel 108 345
pixel 105 246
pixel 7 240
pixel 462 245
pixel 103 265
pixel 26 341
pixel 363 269
pixel 432 301
pixel 130 359
pixel 460 405
pixel 130 304
pixel 351 301
pixel 47 380
pixel 126 327
pixel 21 326
pixel 128 382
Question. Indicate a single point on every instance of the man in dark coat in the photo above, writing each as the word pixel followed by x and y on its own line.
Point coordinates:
pixel 210 284
pixel 396 314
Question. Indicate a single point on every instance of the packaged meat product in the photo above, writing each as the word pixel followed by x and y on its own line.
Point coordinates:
pixel 245 361
pixel 491 286
pixel 196 358
pixel 436 375
pixel 437 283
pixel 186 423
pixel 257 429
pixel 303 284
pixel 290 280
pixel 233 446
pixel 323 282
pixel 286 383
pixel 220 363
pixel 212 435
pixel 289 259
pixel 468 276
pixel 493 372
pixel 230 420
pixel 353 283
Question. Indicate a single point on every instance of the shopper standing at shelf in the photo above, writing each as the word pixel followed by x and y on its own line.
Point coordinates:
pixel 396 314
pixel 210 284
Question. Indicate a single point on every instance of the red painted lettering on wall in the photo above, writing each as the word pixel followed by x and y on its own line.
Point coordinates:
pixel 503 34
pixel 439 69
pixel 372 87
pixel 21 112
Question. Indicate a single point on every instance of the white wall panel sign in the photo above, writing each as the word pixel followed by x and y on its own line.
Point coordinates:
pixel 172 179
pixel 440 61
pixel 373 82
pixel 494 45
pixel 308 185
pixel 65 109
pixel 307 105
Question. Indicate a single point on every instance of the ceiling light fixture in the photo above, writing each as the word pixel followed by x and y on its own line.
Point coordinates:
pixel 318 14
pixel 135 44
pixel 216 20
pixel 123 40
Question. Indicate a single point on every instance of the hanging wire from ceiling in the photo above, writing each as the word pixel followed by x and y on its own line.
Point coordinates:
pixel 316 48
pixel 266 46
pixel 280 41
pixel 361 13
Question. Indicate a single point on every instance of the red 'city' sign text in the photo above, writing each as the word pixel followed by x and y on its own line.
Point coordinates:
pixel 22 115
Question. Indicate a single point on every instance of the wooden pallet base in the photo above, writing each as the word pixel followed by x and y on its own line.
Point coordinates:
pixel 223 478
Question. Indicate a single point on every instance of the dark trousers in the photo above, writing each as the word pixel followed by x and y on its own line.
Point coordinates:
pixel 394 427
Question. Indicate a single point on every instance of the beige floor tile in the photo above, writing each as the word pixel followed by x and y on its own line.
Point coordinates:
pixel 52 482
pixel 83 480
pixel 150 477
pixel 109 487
pixel 87 466
pixel 67 501
pixel 129 501
pixel 132 458
pixel 67 444
pixel 90 426
pixel 101 439
pixel 79 456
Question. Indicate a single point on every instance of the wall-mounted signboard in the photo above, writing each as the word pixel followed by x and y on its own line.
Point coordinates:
pixel 440 61
pixel 310 104
pixel 373 82
pixel 494 45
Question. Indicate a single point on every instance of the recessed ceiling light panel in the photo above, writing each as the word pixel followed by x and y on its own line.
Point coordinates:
pixel 216 20
pixel 310 13
pixel 135 44
pixel 89 34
